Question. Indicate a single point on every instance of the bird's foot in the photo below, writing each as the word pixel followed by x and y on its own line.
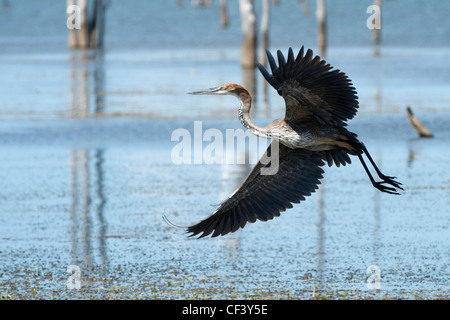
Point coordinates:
pixel 380 186
pixel 395 186
pixel 391 181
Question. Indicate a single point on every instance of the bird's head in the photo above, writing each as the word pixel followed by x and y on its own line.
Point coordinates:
pixel 229 88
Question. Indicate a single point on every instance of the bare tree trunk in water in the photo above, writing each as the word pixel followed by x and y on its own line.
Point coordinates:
pixel 265 30
pixel 376 31
pixel 322 33
pixel 248 20
pixel 71 25
pixel 89 30
pixel 223 13
pixel 83 33
pixel 98 24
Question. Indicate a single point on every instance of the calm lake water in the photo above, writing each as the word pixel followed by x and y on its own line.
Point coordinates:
pixel 87 173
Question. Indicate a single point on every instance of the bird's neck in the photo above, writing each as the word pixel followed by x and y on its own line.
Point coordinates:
pixel 244 116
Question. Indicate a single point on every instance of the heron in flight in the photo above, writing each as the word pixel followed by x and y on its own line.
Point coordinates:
pixel 319 99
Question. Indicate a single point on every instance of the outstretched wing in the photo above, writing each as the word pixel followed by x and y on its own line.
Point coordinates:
pixel 263 197
pixel 312 88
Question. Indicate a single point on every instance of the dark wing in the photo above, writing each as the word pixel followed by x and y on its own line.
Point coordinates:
pixel 263 197
pixel 312 88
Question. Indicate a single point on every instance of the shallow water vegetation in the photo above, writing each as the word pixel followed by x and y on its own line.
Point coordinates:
pixel 179 285
pixel 178 291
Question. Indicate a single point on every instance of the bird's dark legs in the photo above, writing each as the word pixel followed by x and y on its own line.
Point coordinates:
pixel 386 179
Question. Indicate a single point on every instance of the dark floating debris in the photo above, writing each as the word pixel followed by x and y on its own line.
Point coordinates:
pixel 417 125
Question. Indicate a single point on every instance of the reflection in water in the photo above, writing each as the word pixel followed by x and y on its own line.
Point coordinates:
pixel 376 50
pixel 412 156
pixel 86 198
pixel 320 233
pixel 74 205
pixel 87 75
pixel 87 209
pixel 414 149
pixel 378 99
pixel 99 160
pixel 87 176
pixel 377 217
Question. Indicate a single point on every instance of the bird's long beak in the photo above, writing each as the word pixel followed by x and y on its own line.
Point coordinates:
pixel 216 90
